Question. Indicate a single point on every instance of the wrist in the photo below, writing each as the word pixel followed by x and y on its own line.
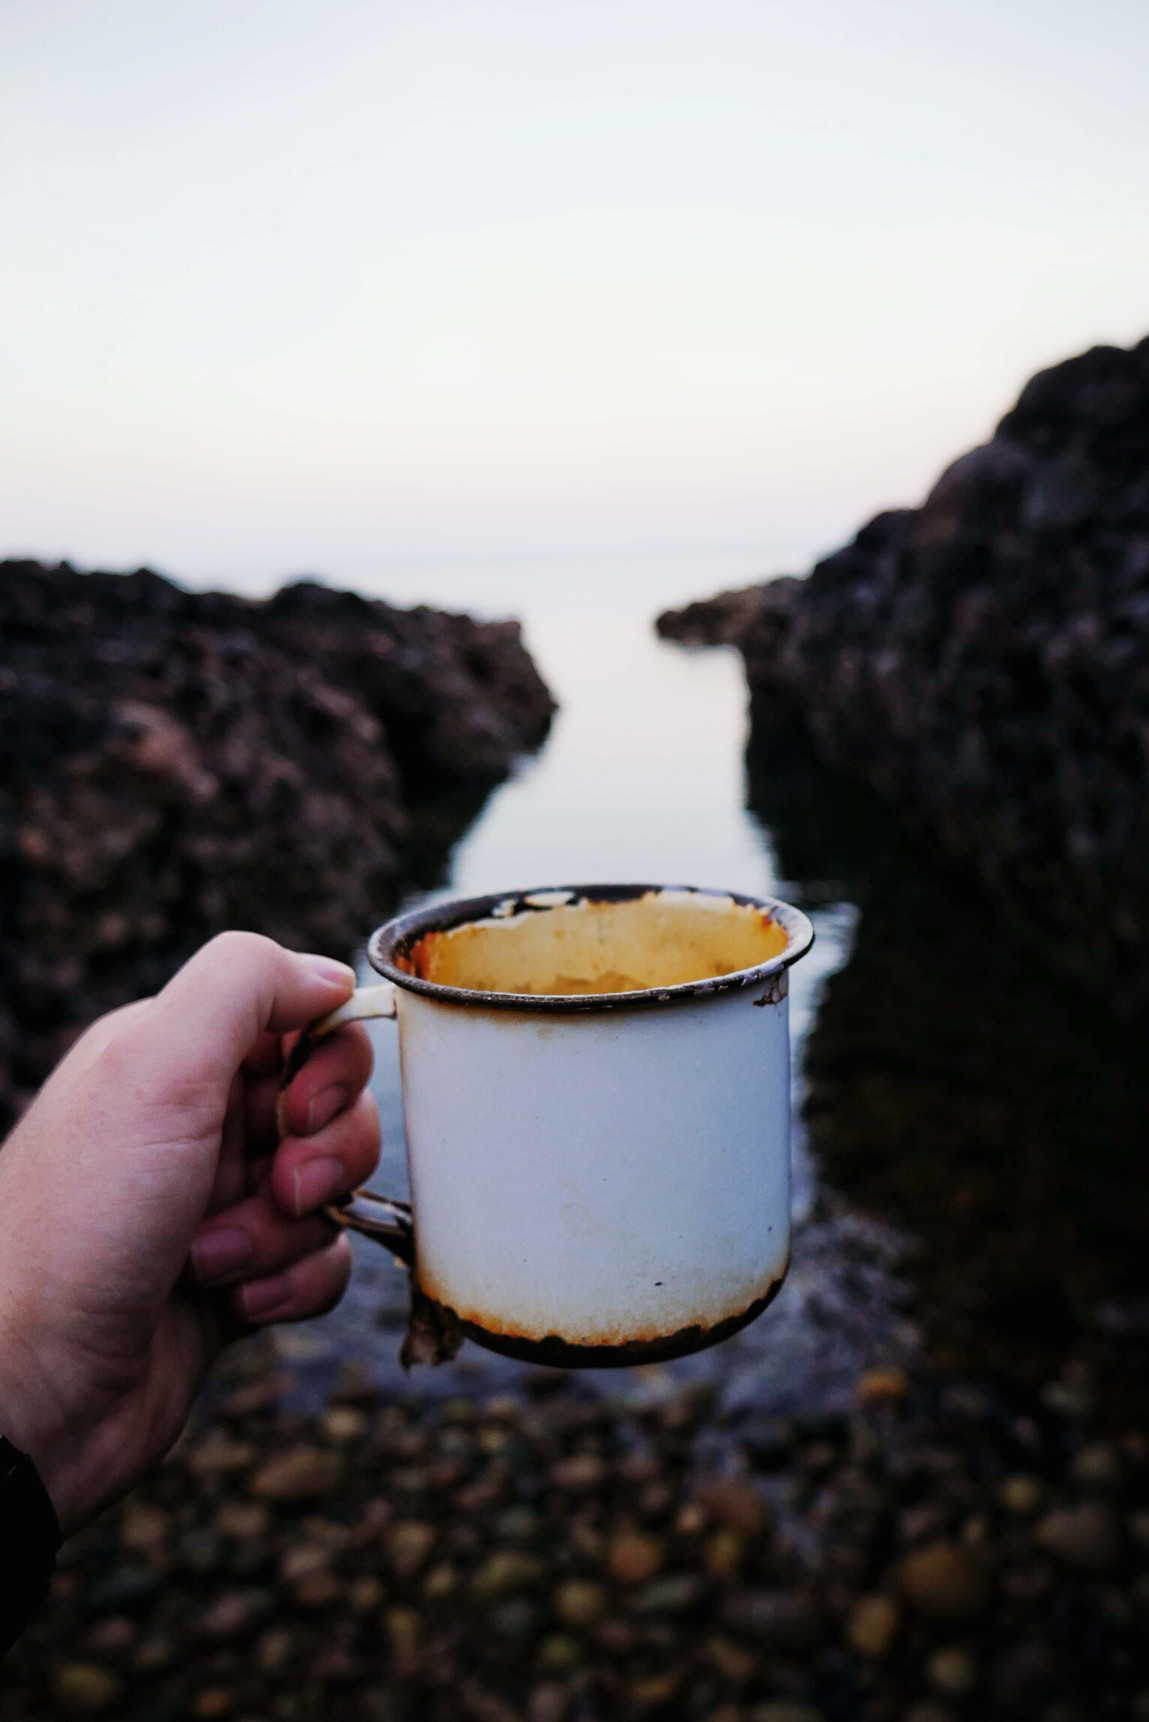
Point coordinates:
pixel 29 1538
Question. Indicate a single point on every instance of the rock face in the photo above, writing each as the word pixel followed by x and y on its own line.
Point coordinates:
pixel 172 763
pixel 983 662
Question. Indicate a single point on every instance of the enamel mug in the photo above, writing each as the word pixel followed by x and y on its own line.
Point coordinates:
pixel 596 1089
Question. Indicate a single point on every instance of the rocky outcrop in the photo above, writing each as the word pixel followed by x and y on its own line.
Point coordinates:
pixel 983 662
pixel 172 763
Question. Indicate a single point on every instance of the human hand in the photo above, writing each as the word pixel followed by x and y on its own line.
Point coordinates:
pixel 145 1177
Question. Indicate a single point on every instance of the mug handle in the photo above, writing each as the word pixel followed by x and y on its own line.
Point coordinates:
pixel 390 1222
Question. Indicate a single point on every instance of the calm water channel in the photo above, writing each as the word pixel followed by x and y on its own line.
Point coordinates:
pixel 642 778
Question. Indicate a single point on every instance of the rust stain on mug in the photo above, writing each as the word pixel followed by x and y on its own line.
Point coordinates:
pixel 588 946
pixel 560 1353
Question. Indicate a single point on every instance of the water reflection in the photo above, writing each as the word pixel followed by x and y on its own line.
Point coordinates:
pixel 642 777
pixel 957 1088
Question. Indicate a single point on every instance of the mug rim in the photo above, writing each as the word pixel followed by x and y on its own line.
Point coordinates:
pixel 391 939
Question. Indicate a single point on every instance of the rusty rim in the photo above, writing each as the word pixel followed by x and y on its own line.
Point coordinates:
pixel 397 937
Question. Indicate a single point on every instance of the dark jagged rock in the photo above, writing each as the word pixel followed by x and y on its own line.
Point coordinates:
pixel 953 1084
pixel 983 662
pixel 172 763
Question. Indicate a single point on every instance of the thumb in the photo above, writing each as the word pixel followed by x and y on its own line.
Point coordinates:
pixel 204 1023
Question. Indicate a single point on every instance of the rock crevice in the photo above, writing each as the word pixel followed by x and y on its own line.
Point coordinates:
pixel 172 763
pixel 983 662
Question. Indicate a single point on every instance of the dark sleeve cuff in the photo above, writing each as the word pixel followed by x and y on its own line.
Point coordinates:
pixel 29 1541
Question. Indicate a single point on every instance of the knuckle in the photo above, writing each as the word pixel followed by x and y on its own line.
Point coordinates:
pixel 235 944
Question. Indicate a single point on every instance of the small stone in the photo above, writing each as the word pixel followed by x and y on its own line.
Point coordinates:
pixel 656 1499
pixel 274 1650
pixel 257 1395
pixel 674 1594
pixel 873 1626
pixel 690 1519
pixel 144 1529
pixel 408 1543
pixel 736 1504
pixel 441 1581
pixel 201 1549
pixel 559 1653
pixel 547 1702
pixel 338 1666
pixel 85 1688
pixel 732 1661
pixel 365 1594
pixel 234 1615
pixel 113 1636
pixel 786 1620
pixel 153 1655
pixel 784 1710
pixel 578 1473
pixel 651 1690
pixel 724 1553
pixel 507 1570
pixel 887 1386
pixel 616 1636
pixel 517 1618
pixel 245 1521
pixel 1071 1399
pixel 354 1384
pixel 1020 1674
pixel 1026 1582
pixel 302 1561
pixel 944 1582
pixel 818 1458
pixel 402 1626
pixel 578 1603
pixel 378 1704
pixel 318 1591
pixel 1021 1495
pixel 1135 1447
pixel 953 1672
pixel 219 1456
pixel 922 1523
pixel 344 1424
pixel 516 1525
pixel 1097 1466
pixel 1086 1537
pixel 634 1557
pixel 301 1474
pixel 212 1702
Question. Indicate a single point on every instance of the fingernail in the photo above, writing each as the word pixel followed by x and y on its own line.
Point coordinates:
pixel 317 1182
pixel 220 1252
pixel 263 1297
pixel 327 969
pixel 325 1105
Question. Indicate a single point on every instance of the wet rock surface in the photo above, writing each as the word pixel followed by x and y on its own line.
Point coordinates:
pixel 172 763
pixel 872 1564
pixel 983 662
pixel 955 1087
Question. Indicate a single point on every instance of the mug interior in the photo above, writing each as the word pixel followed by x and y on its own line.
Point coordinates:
pixel 573 945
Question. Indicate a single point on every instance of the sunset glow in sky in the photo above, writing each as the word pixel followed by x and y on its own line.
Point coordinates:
pixel 329 284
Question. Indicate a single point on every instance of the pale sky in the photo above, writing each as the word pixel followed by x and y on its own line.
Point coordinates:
pixel 325 284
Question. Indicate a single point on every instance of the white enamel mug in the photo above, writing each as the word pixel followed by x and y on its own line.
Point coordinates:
pixel 596 1089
